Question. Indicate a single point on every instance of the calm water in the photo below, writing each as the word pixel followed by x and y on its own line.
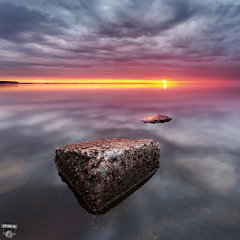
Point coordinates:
pixel 195 194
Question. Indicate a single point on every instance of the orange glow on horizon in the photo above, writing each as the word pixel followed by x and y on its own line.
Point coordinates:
pixel 26 87
pixel 91 81
pixel 45 80
pixel 59 80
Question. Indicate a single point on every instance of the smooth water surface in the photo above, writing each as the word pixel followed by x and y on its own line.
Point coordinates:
pixel 195 194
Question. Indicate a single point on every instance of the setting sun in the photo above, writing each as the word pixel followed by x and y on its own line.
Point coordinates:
pixel 165 83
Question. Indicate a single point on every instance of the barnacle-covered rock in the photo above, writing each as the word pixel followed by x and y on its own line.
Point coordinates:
pixel 103 170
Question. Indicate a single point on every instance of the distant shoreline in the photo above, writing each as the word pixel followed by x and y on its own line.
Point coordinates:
pixel 12 82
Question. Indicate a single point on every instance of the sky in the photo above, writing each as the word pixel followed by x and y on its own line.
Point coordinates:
pixel 179 40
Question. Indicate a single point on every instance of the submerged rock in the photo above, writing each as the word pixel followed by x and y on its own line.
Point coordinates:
pixel 12 175
pixel 156 119
pixel 103 170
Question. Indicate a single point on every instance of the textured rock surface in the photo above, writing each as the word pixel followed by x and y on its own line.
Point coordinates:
pixel 103 170
pixel 156 119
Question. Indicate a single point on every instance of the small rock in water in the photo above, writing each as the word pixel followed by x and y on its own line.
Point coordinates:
pixel 120 165
pixel 156 119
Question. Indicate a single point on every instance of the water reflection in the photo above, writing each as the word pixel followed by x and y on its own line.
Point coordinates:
pixel 112 204
pixel 196 192
pixel 216 177
pixel 8 85
pixel 13 174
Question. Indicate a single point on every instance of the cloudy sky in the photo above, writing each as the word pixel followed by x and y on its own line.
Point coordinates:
pixel 181 40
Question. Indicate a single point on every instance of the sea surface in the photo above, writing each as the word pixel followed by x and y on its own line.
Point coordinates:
pixel 195 194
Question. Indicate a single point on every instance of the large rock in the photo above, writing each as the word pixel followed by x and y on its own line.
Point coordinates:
pixel 103 170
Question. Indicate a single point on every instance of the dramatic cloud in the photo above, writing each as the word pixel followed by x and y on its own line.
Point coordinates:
pixel 120 39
